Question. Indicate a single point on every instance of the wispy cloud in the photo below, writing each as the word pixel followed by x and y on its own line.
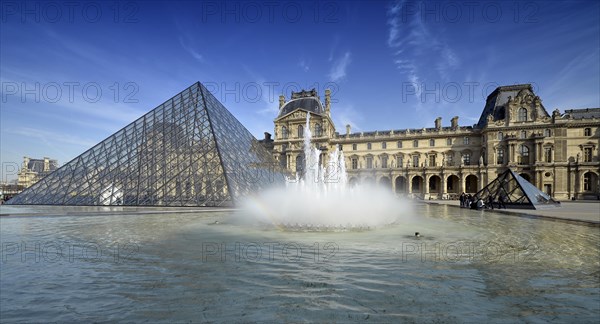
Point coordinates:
pixel 51 137
pixel 338 70
pixel 415 48
pixel 448 62
pixel 305 66
pixel 191 51
pixel 347 115
pixel 333 48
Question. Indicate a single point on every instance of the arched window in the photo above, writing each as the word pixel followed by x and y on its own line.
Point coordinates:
pixel 318 130
pixel 522 114
pixel 299 164
pixel 590 181
pixel 300 131
pixel 524 152
pixel 284 132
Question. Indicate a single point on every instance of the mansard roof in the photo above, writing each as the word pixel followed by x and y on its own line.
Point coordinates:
pixel 497 101
pixel 306 99
pixel 582 113
pixel 37 165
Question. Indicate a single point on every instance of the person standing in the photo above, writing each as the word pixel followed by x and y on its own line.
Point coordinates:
pixel 490 202
pixel 501 202
pixel 462 199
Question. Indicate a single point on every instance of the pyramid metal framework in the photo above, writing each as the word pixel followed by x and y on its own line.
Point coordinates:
pixel 189 151
pixel 517 192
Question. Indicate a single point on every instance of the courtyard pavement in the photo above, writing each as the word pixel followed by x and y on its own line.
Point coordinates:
pixel 587 212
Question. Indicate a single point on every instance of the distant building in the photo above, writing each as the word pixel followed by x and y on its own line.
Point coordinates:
pixel 35 169
pixel 9 190
pixel 558 153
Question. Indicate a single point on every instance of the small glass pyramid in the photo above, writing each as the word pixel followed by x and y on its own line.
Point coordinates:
pixel 517 192
pixel 189 151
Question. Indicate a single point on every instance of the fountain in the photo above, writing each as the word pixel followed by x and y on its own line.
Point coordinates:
pixel 321 200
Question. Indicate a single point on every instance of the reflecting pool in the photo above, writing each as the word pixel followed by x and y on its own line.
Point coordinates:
pixel 164 266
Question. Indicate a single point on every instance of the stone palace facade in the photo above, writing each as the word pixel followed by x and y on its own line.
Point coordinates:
pixel 557 152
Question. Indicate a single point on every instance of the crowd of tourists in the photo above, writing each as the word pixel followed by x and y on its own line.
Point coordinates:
pixel 474 202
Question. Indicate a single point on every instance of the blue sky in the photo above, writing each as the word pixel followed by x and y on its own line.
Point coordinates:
pixel 73 73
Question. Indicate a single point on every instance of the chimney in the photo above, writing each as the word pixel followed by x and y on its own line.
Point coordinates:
pixel 46 164
pixel 281 101
pixel 328 102
pixel 348 128
pixel 454 122
pixel 267 137
pixel 438 123
pixel 25 162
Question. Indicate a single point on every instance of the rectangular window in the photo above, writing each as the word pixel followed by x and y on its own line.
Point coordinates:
pixel 500 136
pixel 432 142
pixel 399 144
pixel 354 163
pixel 383 145
pixel 466 141
pixel 384 160
pixel 587 132
pixel 415 143
pixel 369 163
pixel 548 154
pixel 587 183
pixel 449 141
pixel 587 154
pixel 415 161
pixel 399 162
pixel 432 160
pixel 466 158
pixel 500 156
pixel 450 160
pixel 368 146
pixel 354 147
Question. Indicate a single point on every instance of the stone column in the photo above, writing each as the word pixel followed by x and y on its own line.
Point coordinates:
pixel 443 184
pixel 426 184
pixel 461 185
pixel 409 184
pixel 512 153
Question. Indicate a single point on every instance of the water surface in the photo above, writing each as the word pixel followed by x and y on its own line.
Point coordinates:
pixel 127 265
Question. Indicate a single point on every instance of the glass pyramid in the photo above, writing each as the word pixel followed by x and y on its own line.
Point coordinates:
pixel 189 151
pixel 517 192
